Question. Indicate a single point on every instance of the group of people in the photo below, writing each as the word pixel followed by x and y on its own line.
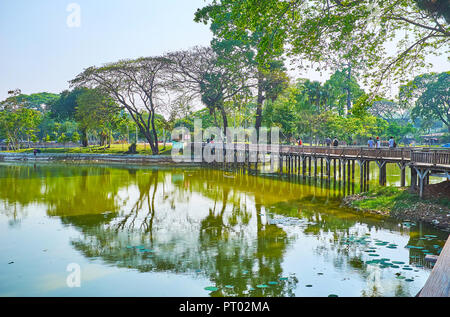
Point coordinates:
pixel 377 143
pixel 328 142
pixel 371 143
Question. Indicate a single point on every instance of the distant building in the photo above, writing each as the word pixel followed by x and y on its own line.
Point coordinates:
pixel 432 138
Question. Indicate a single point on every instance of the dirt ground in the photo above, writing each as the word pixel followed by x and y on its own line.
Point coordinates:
pixel 439 190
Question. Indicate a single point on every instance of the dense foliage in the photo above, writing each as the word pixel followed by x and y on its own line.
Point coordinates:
pixel 241 79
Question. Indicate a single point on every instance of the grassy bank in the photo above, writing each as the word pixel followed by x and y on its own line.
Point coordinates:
pixel 114 149
pixel 402 204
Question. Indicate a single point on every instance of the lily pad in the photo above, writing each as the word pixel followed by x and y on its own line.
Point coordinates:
pixel 261 286
pixel 229 286
pixel 272 283
pixel 211 288
pixel 308 285
pixel 283 278
pixel 333 295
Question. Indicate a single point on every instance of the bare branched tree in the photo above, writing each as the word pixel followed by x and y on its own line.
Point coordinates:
pixel 140 86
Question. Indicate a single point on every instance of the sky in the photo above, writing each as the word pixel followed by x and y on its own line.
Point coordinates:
pixel 42 45
pixel 40 51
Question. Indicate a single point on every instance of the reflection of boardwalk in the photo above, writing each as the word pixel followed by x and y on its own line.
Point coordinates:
pixel 438 284
pixel 305 160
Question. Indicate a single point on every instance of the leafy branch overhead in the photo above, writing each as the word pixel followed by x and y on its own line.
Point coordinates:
pixel 324 33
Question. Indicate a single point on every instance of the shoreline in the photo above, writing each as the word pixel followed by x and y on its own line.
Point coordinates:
pixel 89 157
pixel 406 207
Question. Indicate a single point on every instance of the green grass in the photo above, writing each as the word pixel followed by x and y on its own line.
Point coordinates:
pixel 391 198
pixel 114 149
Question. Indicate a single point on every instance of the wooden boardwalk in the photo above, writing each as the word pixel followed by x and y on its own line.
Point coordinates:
pixel 438 283
pixel 305 160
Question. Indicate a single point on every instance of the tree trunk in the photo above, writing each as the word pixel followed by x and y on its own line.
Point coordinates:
pixel 155 148
pixel 148 135
pixel 84 139
pixel 259 104
pixel 225 120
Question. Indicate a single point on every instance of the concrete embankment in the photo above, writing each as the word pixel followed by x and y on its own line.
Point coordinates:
pixel 120 158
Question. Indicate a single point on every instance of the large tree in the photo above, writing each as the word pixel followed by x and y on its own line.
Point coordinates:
pixel 97 111
pixel 39 101
pixel 270 78
pixel 64 107
pixel 327 32
pixel 431 96
pixel 140 86
pixel 18 122
pixel 212 77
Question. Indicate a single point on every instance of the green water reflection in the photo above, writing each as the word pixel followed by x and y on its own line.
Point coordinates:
pixel 245 235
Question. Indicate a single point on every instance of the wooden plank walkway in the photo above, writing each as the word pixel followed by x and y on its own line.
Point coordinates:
pixel 422 157
pixel 438 283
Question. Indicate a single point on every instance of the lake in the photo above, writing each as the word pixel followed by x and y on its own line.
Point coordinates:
pixel 194 231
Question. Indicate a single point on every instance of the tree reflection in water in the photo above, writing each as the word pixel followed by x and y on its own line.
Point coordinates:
pixel 195 221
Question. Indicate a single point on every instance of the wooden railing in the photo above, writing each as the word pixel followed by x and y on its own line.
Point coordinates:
pixel 414 155
pixel 431 157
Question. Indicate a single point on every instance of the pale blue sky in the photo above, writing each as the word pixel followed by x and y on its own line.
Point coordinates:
pixel 39 52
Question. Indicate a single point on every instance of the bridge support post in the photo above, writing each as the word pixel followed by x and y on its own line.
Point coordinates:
pixel 402 166
pixel 288 164
pixel 349 175
pixel 353 176
pixel 309 165
pixel 367 175
pixel 422 173
pixel 334 171
pixel 315 166
pixel 280 163
pixel 339 169
pixel 382 168
pixel 328 168
pixel 295 164
pixel 304 161
pixel 361 164
pixel 321 167
pixel 344 163
pixel 413 177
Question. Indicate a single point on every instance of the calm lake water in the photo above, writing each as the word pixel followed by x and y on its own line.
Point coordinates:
pixel 164 231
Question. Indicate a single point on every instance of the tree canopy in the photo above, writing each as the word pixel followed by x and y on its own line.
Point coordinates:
pixel 333 33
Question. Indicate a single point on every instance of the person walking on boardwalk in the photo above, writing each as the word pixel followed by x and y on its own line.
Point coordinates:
pixel 378 143
pixel 370 142
pixel 335 142
pixel 328 141
pixel 391 142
